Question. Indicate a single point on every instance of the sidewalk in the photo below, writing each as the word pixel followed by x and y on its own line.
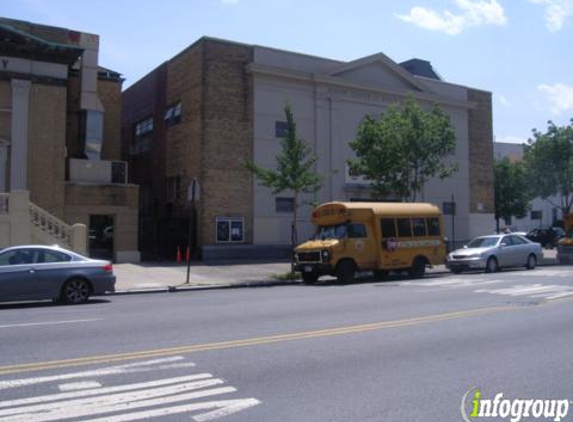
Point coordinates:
pixel 163 277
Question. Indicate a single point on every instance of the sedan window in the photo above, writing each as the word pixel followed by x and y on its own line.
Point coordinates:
pixel 47 256
pixel 17 257
pixel 483 242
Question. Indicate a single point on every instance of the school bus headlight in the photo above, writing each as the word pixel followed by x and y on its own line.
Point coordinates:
pixel 325 256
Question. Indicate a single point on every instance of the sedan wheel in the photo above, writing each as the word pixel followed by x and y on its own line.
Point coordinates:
pixel 531 262
pixel 75 291
pixel 491 265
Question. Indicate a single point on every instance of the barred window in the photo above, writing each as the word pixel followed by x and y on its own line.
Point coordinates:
pixel 143 127
pixel 173 115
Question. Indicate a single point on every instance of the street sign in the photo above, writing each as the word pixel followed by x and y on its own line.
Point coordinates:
pixel 449 208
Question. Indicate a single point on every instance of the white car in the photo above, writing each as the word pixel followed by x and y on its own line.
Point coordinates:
pixel 490 253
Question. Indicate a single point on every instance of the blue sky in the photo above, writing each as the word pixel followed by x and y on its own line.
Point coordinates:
pixel 520 50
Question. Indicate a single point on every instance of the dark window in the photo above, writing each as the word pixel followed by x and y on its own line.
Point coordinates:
pixel 419 226
pixel 173 188
pixel 230 229
pixel 284 205
pixel 281 129
pixel 143 127
pixel 356 230
pixel 118 172
pixel 173 115
pixel 47 256
pixel 388 227
pixel 433 226
pixel 404 227
pixel 517 240
pixel 17 257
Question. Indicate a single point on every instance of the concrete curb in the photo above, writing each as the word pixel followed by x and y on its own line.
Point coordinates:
pixel 261 283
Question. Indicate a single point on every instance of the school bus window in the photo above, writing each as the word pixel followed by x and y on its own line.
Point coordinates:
pixel 419 227
pixel 433 226
pixel 356 230
pixel 388 227
pixel 404 227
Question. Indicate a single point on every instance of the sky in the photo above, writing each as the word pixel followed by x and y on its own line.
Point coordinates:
pixel 520 50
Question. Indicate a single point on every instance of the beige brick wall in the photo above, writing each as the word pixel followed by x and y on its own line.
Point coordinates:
pixel 480 130
pixel 120 202
pixel 46 147
pixel 109 93
pixel 228 136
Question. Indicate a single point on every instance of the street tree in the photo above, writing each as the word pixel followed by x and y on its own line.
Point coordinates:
pixel 403 149
pixel 511 190
pixel 294 172
pixel 549 160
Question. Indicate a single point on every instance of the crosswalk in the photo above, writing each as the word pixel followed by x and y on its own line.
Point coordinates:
pixel 547 283
pixel 202 396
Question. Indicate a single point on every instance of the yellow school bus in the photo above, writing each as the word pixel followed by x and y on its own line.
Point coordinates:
pixel 379 237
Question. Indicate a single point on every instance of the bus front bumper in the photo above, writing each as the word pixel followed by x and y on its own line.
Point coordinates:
pixel 319 268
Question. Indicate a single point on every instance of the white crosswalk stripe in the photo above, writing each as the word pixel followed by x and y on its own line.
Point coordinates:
pixel 89 401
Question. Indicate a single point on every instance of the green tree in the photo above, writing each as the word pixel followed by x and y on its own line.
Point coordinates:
pixel 549 159
pixel 294 171
pixel 511 189
pixel 403 149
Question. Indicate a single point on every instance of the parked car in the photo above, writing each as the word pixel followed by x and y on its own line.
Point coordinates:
pixel 546 237
pixel 36 272
pixel 490 253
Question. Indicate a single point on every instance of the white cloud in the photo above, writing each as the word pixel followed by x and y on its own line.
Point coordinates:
pixel 504 101
pixel 472 13
pixel 560 97
pixel 556 12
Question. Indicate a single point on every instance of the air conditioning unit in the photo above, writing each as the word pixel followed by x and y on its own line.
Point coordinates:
pixel 119 172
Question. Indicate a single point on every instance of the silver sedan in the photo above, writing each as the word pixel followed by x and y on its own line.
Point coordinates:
pixel 45 272
pixel 490 253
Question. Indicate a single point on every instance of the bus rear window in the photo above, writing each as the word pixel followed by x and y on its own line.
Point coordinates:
pixel 404 227
pixel 433 226
pixel 388 227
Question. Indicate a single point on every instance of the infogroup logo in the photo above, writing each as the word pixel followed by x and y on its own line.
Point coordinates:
pixel 514 409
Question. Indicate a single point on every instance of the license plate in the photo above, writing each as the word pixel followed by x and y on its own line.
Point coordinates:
pixel 308 268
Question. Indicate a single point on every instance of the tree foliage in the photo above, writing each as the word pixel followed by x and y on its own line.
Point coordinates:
pixel 511 189
pixel 549 159
pixel 294 170
pixel 403 149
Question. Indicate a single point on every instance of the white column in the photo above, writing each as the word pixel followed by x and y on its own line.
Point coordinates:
pixel 19 141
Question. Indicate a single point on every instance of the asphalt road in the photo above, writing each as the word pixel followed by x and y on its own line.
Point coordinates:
pixel 398 350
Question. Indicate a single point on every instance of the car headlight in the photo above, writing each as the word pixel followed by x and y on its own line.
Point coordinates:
pixel 325 255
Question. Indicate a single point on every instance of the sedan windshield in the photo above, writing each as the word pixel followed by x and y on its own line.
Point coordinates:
pixel 483 242
pixel 330 232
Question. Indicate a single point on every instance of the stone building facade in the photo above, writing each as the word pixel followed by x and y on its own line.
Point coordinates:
pixel 60 133
pixel 218 104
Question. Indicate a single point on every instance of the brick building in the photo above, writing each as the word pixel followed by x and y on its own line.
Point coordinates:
pixel 215 105
pixel 60 117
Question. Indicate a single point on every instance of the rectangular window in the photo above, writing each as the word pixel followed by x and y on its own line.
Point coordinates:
pixel 388 227
pixel 356 230
pixel 433 226
pixel 173 115
pixel 284 205
pixel 418 227
pixel 173 188
pixel 281 129
pixel 230 229
pixel 404 227
pixel 143 127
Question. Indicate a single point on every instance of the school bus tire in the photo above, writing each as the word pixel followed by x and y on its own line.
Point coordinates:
pixel 418 268
pixel 345 271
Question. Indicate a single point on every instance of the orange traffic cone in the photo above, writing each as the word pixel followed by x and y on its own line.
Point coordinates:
pixel 188 254
pixel 178 254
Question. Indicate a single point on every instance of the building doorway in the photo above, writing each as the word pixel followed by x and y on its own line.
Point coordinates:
pixel 101 234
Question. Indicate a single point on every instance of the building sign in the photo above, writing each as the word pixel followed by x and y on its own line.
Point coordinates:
pixel 449 208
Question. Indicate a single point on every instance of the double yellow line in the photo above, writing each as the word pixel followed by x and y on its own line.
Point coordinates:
pixel 303 335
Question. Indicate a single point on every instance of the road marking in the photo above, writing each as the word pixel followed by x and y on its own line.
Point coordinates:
pixel 73 386
pixel 105 390
pixel 113 370
pixel 546 291
pixel 129 402
pixel 33 324
pixel 194 348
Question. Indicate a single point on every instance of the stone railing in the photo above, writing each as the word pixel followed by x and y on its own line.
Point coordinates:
pixel 52 226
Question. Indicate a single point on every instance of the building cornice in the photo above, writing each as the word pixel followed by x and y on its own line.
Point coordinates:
pixel 314 78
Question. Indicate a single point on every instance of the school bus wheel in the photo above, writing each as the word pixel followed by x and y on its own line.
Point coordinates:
pixel 345 271
pixel 418 267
